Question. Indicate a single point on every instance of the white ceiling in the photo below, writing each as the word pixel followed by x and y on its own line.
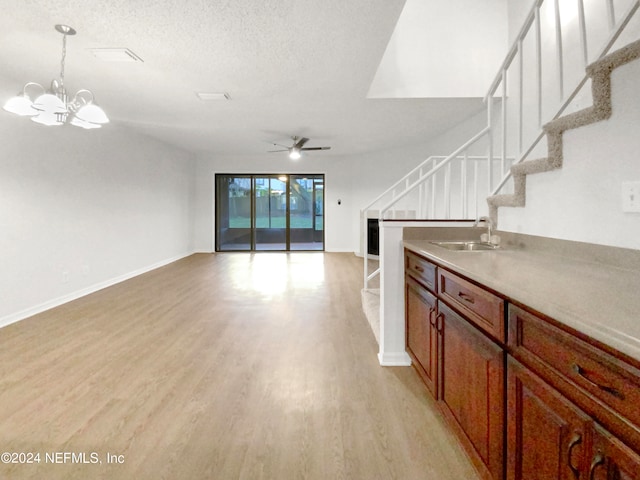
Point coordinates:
pixel 291 67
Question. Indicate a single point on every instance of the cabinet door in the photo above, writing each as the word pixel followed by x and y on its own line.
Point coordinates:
pixel 472 390
pixel 611 459
pixel 546 433
pixel 421 332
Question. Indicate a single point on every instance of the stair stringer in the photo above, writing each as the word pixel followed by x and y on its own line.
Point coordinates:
pixel 600 74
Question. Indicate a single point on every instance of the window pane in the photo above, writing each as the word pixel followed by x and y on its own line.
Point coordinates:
pixel 233 212
pixel 270 213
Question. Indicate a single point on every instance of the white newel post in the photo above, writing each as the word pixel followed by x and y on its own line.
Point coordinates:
pixel 392 335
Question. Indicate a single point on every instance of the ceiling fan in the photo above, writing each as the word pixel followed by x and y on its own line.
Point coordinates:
pixel 297 147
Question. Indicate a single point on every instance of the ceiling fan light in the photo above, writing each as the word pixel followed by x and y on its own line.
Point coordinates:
pixel 20 105
pixel 48 119
pixel 92 113
pixel 50 104
pixel 294 154
pixel 77 122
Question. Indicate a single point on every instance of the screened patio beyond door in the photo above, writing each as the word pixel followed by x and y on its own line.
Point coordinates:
pixel 269 212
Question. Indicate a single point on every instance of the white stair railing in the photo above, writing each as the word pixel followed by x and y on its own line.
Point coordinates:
pixel 513 134
pixel 452 187
pixel 548 107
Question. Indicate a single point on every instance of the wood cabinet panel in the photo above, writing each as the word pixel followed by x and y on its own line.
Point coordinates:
pixel 611 381
pixel 547 436
pixel 481 307
pixel 611 459
pixel 422 335
pixel 472 392
pixel 422 270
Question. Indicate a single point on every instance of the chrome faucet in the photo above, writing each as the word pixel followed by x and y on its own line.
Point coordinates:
pixel 489 225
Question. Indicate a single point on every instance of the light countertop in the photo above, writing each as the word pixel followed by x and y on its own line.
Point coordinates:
pixel 598 300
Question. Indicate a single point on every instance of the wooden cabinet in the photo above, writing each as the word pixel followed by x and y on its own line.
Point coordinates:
pixel 422 334
pixel 605 385
pixel 420 269
pixel 611 459
pixel 460 365
pixel 472 390
pixel 529 398
pixel 478 305
pixel 584 399
pixel 550 438
pixel 546 434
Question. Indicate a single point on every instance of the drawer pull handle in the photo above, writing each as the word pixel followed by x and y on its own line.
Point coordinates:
pixel 432 317
pixel 466 297
pixel 584 374
pixel 597 461
pixel 418 268
pixel 575 440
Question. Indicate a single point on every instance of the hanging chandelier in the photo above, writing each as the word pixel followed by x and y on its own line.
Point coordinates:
pixel 55 107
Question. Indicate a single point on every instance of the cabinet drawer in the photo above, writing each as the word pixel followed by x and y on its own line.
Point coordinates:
pixel 609 379
pixel 421 269
pixel 482 308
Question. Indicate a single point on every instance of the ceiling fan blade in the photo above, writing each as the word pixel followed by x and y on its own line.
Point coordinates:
pixel 275 151
pixel 316 148
pixel 300 143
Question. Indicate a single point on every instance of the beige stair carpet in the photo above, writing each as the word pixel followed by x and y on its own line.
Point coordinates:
pixel 600 74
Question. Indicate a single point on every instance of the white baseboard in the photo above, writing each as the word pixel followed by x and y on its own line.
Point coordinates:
pixel 56 302
pixel 397 359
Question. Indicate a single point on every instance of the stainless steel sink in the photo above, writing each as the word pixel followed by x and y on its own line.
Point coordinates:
pixel 467 246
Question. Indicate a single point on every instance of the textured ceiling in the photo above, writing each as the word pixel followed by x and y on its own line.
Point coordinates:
pixel 291 67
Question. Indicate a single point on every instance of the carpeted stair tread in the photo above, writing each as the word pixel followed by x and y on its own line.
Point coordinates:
pixel 600 74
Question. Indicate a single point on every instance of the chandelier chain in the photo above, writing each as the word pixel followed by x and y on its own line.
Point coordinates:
pixel 64 54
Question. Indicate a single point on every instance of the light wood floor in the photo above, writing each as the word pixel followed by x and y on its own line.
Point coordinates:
pixel 228 366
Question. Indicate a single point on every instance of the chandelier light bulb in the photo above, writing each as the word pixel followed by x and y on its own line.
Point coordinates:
pixel 53 107
pixel 20 105
pixel 92 113
pixel 50 103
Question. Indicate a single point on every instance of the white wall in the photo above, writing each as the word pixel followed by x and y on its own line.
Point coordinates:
pixel 583 200
pixel 80 209
pixel 443 49
pixel 338 230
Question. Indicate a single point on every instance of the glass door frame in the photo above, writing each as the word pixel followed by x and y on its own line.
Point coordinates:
pixel 252 244
pixel 259 233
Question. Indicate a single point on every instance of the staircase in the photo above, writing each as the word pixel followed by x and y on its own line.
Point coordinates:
pixel 600 75
pixel 489 171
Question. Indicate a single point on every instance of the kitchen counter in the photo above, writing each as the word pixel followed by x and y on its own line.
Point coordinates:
pixel 597 299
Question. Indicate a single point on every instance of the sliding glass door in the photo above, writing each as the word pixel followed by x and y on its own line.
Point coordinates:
pixel 269 212
pixel 233 212
pixel 306 212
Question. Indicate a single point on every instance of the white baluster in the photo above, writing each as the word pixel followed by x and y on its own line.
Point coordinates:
pixel 583 34
pixel 559 48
